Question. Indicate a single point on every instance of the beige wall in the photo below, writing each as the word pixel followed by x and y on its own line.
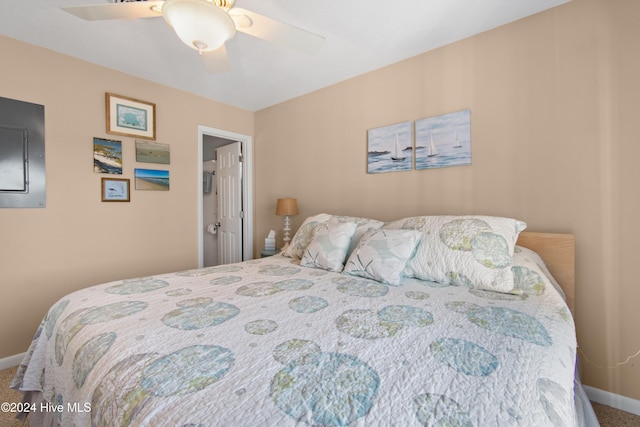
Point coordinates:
pixel 553 102
pixel 77 240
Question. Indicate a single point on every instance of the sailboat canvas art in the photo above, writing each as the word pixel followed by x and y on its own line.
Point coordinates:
pixel 443 140
pixel 390 148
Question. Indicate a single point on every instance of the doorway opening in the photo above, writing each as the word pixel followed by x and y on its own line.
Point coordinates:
pixel 209 140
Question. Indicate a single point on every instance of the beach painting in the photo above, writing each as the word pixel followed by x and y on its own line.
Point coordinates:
pixel 151 179
pixel 107 156
pixel 444 140
pixel 152 152
pixel 130 117
pixel 390 148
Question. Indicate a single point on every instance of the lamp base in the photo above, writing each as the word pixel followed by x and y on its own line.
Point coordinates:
pixel 287 229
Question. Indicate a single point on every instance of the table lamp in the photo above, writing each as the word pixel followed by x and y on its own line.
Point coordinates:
pixel 287 207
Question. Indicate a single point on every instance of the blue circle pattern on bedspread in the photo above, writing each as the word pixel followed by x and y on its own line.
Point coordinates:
pixel 384 323
pixel 227 268
pixel 79 319
pixel 439 410
pixel 361 287
pixel 199 313
pixel 89 354
pixel 266 288
pixel 308 304
pixel 260 327
pixel 131 384
pixel 465 356
pixel 199 365
pixel 504 321
pixel 226 280
pixel 137 286
pixel 313 387
pixel 324 388
pixel 53 315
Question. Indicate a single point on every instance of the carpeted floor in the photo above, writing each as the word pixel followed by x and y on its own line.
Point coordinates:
pixel 611 417
pixel 608 417
pixel 8 419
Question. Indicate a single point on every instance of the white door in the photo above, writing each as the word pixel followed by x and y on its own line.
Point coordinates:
pixel 229 179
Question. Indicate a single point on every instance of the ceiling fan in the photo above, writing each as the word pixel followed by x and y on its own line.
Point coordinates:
pixel 205 25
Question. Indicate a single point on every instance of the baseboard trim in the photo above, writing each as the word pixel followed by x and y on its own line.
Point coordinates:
pixel 11 361
pixel 617 401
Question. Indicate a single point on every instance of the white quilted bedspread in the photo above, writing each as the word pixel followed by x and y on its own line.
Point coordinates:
pixel 270 343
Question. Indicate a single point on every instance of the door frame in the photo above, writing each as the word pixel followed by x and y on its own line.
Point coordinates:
pixel 247 189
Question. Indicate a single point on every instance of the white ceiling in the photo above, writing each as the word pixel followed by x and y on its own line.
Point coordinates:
pixel 361 35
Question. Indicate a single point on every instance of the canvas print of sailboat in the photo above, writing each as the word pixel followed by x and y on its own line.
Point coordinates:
pixel 390 148
pixel 443 140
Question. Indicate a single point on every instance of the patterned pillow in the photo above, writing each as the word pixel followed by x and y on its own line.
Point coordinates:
pixel 530 274
pixel 329 245
pixel 464 250
pixel 301 239
pixel 303 236
pixel 362 226
pixel 382 255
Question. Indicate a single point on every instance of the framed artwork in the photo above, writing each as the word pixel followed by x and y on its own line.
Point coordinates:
pixel 130 117
pixel 152 152
pixel 390 148
pixel 115 190
pixel 444 140
pixel 107 156
pixel 152 179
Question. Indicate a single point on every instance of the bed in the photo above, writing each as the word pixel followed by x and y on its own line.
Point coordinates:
pixel 341 329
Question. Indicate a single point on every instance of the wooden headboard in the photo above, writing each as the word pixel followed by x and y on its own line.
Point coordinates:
pixel 559 254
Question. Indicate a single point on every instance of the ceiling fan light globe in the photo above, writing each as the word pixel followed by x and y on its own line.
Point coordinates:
pixel 199 24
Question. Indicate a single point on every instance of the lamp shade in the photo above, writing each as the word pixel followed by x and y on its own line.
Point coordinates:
pixel 199 24
pixel 288 206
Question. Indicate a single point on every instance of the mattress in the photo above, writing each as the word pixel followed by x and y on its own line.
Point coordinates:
pixel 269 342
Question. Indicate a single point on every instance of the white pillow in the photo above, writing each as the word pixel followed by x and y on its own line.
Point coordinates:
pixel 303 236
pixel 329 245
pixel 464 250
pixel 382 255
pixel 362 226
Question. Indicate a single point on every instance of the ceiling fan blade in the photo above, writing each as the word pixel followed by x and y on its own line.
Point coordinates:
pixel 276 32
pixel 129 10
pixel 216 61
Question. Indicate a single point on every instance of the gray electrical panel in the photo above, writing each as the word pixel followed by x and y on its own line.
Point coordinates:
pixel 22 161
